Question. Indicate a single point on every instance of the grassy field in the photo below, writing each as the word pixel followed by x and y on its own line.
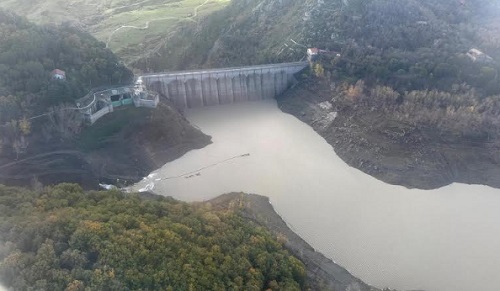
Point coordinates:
pixel 129 28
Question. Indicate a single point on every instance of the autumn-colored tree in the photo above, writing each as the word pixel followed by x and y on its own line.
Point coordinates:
pixel 319 71
pixel 355 92
pixel 115 241
pixel 24 126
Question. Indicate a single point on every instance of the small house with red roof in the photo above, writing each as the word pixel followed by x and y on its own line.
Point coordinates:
pixel 58 74
pixel 312 52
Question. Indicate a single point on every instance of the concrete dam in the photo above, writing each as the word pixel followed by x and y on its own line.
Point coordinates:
pixel 191 89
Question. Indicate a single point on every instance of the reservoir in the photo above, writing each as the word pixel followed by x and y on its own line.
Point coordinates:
pixel 389 236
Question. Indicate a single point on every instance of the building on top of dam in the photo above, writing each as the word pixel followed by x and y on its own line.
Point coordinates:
pixel 98 103
pixel 190 89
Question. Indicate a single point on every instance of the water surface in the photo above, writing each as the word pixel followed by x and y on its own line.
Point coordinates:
pixel 441 240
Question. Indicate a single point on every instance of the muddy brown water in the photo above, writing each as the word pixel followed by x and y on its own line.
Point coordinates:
pixel 389 236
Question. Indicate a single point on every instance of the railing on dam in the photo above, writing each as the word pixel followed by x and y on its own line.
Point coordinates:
pixel 189 89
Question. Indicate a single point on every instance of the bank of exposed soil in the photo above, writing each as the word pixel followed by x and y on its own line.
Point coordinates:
pixel 120 148
pixel 322 273
pixel 391 151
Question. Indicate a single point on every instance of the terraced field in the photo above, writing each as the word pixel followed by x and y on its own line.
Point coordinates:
pixel 130 28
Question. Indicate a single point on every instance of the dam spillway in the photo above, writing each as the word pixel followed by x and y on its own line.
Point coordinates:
pixel 191 89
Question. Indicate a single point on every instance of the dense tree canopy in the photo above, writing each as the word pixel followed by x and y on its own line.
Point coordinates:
pixel 407 44
pixel 409 60
pixel 63 238
pixel 28 55
pixel 410 45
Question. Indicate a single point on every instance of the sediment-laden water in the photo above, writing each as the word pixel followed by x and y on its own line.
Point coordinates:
pixel 441 240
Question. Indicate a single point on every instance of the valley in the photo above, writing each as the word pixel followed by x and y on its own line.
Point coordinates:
pixel 383 154
pixel 386 235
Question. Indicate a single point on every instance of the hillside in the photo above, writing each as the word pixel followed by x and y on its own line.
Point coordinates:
pixel 415 88
pixel 131 29
pixel 43 138
pixel 244 33
pixel 119 149
pixel 404 68
pixel 405 102
pixel 28 55
pixel 405 34
pixel 63 238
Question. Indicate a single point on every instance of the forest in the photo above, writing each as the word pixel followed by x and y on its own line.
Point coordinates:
pixel 28 54
pixel 409 62
pixel 62 238
pixel 408 45
pixel 411 45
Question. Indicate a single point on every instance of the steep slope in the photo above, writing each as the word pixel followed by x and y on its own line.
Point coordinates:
pixel 63 238
pixel 121 148
pixel 413 106
pixel 130 29
pixel 30 52
pixel 255 32
pixel 322 273
pixel 406 144
pixel 404 102
pixel 42 137
pixel 246 32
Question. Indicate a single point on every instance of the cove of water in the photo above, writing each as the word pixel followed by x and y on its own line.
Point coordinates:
pixel 440 240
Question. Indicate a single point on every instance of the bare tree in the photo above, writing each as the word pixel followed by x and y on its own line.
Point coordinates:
pixel 36 185
pixel 19 145
pixel 65 121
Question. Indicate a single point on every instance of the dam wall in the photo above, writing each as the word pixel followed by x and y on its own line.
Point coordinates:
pixel 191 89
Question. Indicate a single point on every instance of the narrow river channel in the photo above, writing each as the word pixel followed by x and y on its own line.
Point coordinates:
pixel 441 240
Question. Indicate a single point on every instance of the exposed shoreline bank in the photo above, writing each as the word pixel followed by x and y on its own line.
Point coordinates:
pixel 322 273
pixel 119 149
pixel 372 143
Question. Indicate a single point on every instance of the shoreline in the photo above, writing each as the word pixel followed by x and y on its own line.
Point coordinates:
pixel 370 142
pixel 322 273
pixel 138 142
